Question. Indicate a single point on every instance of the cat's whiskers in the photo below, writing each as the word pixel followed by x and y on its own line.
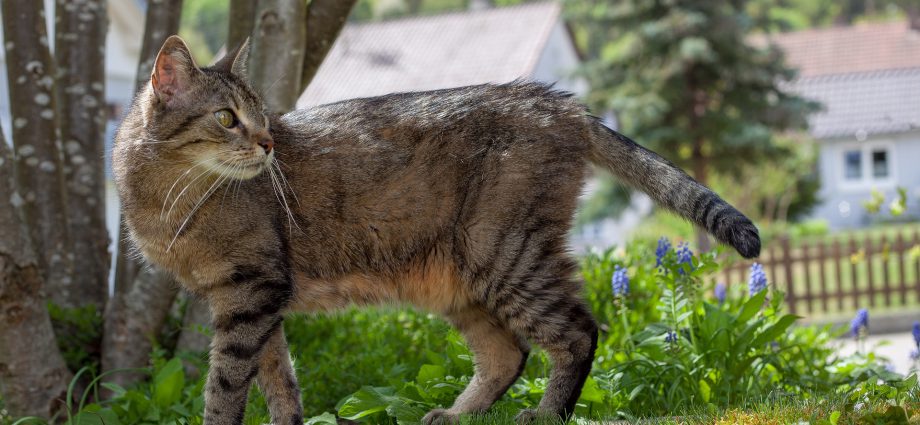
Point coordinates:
pixel 216 185
pixel 279 195
pixel 277 164
pixel 166 198
pixel 189 185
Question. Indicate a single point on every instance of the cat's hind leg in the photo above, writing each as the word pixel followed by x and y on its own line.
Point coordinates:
pixel 499 358
pixel 544 305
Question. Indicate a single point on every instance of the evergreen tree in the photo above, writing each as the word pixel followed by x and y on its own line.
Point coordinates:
pixel 684 78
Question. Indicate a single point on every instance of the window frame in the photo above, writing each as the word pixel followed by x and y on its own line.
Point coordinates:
pixel 867 179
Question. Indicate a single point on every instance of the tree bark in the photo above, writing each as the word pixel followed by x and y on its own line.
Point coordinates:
pixel 162 21
pixel 33 376
pixel 133 321
pixel 30 74
pixel 277 53
pixel 242 21
pixel 325 19
pixel 143 295
pixel 80 31
pixel 192 339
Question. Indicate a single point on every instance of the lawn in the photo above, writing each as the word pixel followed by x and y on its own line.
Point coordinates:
pixel 671 350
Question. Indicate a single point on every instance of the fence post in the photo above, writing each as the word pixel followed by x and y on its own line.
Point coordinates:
pixel 806 260
pixel 822 275
pixel 854 275
pixel 836 253
pixel 901 250
pixel 787 268
pixel 870 276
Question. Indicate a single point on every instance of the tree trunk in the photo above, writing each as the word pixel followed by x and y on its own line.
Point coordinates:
pixel 80 54
pixel 143 295
pixel 242 20
pixel 325 19
pixel 133 321
pixel 40 180
pixel 193 338
pixel 33 376
pixel 277 54
pixel 162 21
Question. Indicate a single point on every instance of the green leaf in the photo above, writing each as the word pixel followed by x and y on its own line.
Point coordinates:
pixel 168 384
pixel 705 391
pixel 751 307
pixel 775 330
pixel 367 401
pixel 430 372
pixel 325 419
pixel 835 416
pixel 591 392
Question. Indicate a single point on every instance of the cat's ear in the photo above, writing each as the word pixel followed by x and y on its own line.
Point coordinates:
pixel 173 70
pixel 235 60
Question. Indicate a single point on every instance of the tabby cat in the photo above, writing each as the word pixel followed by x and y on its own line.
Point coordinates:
pixel 456 201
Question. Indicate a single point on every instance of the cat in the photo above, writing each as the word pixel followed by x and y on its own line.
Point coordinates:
pixel 456 201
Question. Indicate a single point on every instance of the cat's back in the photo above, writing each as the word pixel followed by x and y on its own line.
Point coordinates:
pixel 526 104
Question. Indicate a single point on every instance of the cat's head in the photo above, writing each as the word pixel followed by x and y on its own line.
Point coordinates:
pixel 207 116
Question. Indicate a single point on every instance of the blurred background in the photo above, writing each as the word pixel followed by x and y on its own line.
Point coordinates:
pixel 804 114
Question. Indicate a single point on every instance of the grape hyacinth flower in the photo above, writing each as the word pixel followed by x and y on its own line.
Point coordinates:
pixel 720 291
pixel 620 282
pixel 758 280
pixel 664 245
pixel 670 337
pixel 684 256
pixel 916 332
pixel 859 326
pixel 915 354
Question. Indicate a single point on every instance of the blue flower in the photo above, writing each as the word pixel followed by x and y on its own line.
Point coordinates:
pixel 720 291
pixel 671 336
pixel 684 256
pixel 859 326
pixel 758 280
pixel 664 245
pixel 620 282
pixel 916 332
pixel 915 354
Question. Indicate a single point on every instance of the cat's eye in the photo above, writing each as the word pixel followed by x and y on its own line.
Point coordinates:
pixel 225 118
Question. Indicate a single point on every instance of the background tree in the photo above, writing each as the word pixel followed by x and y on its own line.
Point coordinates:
pixel 53 242
pixel 684 81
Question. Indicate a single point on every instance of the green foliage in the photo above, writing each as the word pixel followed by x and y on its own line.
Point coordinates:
pixel 667 347
pixel 204 26
pixel 78 335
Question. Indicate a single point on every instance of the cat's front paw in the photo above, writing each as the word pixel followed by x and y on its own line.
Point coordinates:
pixel 440 417
pixel 534 416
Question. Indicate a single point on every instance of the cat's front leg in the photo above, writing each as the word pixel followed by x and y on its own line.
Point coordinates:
pixel 246 314
pixel 278 383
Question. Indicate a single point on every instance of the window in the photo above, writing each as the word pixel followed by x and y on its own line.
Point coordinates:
pixel 879 163
pixel 852 165
pixel 866 165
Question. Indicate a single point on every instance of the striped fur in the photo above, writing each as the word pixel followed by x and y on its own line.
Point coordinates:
pixel 456 201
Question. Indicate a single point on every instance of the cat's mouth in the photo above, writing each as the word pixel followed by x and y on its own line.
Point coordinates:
pixel 243 169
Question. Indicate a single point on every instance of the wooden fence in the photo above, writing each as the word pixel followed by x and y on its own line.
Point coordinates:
pixel 841 274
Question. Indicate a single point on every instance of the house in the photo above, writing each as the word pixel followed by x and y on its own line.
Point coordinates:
pixel 484 44
pixel 868 79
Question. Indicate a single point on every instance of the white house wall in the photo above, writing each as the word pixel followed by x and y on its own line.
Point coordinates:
pixel 842 201
pixel 559 61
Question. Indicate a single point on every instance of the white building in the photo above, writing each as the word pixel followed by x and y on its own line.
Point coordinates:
pixel 456 49
pixel 867 77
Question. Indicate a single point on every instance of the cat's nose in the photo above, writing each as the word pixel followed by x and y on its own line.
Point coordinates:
pixel 266 143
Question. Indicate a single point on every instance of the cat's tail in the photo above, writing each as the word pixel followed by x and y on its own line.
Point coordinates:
pixel 672 188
